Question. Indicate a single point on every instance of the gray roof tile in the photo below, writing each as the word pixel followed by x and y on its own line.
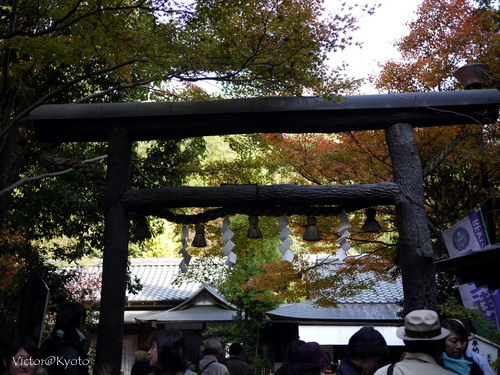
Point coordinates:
pixel 344 311
pixel 156 276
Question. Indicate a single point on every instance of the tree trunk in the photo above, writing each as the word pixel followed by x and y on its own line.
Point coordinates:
pixel 415 249
pixel 11 160
pixel 115 258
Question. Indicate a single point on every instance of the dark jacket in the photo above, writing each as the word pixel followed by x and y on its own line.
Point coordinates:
pixel 237 366
pixel 348 367
pixel 475 368
pixel 141 364
pixel 210 366
pixel 288 368
pixel 65 350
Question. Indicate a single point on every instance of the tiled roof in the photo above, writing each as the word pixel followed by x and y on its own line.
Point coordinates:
pixel 343 311
pixel 206 305
pixel 382 292
pixel 207 295
pixel 156 277
pixel 379 303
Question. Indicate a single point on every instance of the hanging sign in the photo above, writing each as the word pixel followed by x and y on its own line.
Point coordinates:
pixel 466 236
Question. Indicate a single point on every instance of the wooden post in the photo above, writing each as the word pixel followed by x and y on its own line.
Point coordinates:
pixel 115 258
pixel 415 249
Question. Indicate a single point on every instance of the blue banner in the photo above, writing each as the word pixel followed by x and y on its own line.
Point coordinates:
pixel 466 236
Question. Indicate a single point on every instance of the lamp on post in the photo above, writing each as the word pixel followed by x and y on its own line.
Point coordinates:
pixel 472 76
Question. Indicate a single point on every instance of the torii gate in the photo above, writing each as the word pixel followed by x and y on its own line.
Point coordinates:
pixel 122 123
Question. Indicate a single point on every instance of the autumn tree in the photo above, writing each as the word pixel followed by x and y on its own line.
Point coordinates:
pixel 445 36
pixel 460 163
pixel 114 51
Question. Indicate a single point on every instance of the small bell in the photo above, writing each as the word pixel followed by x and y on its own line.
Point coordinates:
pixel 254 230
pixel 199 237
pixel 141 231
pixel 312 232
pixel 371 225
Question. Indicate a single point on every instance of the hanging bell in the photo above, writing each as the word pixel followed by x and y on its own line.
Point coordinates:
pixel 371 225
pixel 141 231
pixel 199 237
pixel 254 230
pixel 312 232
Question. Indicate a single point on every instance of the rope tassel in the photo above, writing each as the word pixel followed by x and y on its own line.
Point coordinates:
pixel 254 230
pixel 312 232
pixel 371 225
pixel 199 237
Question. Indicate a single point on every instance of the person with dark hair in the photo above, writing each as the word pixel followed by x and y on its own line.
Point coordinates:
pixel 209 364
pixel 292 362
pixel 193 348
pixel 20 357
pixel 66 342
pixel 141 364
pixel 424 340
pixel 454 356
pixel 168 353
pixel 313 359
pixel 365 351
pixel 235 364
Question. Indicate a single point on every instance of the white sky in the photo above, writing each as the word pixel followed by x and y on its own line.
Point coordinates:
pixel 378 33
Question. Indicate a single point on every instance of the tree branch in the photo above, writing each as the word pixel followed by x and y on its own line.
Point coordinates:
pixel 26 180
pixel 433 164
pixel 22 117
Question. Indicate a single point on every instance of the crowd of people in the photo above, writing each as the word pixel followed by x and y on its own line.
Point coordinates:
pixel 432 347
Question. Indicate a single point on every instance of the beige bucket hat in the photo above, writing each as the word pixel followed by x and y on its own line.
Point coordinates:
pixel 422 325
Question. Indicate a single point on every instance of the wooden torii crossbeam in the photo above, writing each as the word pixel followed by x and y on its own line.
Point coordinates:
pixel 175 120
pixel 122 123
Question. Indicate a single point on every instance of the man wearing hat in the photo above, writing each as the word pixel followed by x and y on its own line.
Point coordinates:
pixel 424 341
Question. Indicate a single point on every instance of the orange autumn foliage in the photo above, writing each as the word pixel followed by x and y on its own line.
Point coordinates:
pixel 460 163
pixel 10 265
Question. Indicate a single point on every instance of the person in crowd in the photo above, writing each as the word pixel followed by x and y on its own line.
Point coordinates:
pixel 193 348
pixel 66 342
pixel 292 362
pixel 313 359
pixel 235 363
pixel 167 353
pixel 455 356
pixel 141 364
pixel 424 340
pixel 20 357
pixel 366 350
pixel 209 364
